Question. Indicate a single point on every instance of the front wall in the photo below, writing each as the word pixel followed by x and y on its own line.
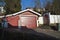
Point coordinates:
pixel 29 20
pixel 13 20
pixel 28 13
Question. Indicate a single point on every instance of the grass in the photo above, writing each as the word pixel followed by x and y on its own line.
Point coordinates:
pixel 0 27
pixel 44 27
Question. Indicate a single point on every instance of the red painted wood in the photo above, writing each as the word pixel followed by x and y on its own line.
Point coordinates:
pixel 29 21
pixel 13 21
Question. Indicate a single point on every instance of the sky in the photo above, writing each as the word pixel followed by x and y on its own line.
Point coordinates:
pixel 27 3
pixel 2 3
pixel 30 3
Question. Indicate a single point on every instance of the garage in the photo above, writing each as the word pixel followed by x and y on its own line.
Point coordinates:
pixel 26 18
pixel 30 21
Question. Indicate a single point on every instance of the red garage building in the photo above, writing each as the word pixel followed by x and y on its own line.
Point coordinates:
pixel 26 18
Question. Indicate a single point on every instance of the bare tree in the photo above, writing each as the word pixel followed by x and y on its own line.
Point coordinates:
pixel 37 4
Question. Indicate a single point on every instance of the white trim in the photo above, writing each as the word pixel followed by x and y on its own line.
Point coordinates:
pixel 1 16
pixel 26 10
pixel 19 23
pixel 9 15
pixel 37 23
pixel 23 11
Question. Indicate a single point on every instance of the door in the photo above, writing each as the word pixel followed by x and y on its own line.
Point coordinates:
pixel 29 21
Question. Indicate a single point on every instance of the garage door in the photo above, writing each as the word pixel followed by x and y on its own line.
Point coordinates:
pixel 29 21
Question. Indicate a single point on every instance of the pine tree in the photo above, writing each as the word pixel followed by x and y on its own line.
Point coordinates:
pixel 48 6
pixel 56 6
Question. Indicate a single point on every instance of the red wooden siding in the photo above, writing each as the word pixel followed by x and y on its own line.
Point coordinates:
pixel 13 20
pixel 29 19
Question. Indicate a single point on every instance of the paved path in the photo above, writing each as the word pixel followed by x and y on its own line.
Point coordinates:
pixel 25 34
pixel 49 32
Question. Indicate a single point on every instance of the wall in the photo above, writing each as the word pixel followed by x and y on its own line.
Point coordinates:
pixel 13 20
pixel 54 19
pixel 40 20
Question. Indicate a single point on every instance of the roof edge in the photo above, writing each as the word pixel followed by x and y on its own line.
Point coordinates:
pixel 21 12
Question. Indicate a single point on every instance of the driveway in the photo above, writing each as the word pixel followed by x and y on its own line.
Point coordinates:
pixel 24 34
pixel 49 32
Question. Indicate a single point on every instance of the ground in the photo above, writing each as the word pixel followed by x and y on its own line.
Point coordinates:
pixel 50 32
pixel 25 34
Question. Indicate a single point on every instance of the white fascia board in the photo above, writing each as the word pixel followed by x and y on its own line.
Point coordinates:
pixel 22 12
pixel 35 12
pixel 1 16
pixel 26 10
